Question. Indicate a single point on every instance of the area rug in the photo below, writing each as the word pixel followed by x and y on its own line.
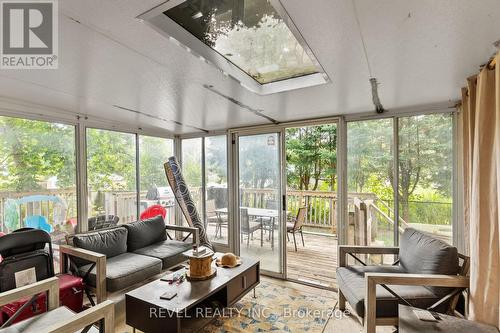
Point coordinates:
pixel 276 308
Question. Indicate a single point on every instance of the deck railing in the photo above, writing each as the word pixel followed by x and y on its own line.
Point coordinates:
pixel 44 208
pixel 369 217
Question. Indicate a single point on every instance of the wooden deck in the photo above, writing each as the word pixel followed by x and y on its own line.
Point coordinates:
pixel 313 263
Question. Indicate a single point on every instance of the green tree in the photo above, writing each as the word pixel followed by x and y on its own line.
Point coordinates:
pixel 311 154
pixel 110 160
pixel 425 157
pixel 32 151
pixel 153 153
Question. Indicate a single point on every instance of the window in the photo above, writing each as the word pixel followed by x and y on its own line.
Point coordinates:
pixel 215 194
pixel 111 177
pixel 424 178
pixel 369 179
pixel 37 176
pixel 192 170
pixel 426 174
pixel 154 188
pixel 248 33
pixel 216 188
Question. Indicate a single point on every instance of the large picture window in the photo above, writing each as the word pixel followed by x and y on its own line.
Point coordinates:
pixel 155 192
pixel 111 177
pixel 426 174
pixel 216 188
pixel 37 176
pixel 204 165
pixel 422 174
pixel 369 179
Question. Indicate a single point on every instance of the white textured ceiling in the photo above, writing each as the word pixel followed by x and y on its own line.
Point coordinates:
pixel 420 51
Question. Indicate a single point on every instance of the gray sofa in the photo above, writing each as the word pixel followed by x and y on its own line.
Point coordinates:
pixel 426 268
pixel 115 258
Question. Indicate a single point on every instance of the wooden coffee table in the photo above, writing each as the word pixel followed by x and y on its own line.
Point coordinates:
pixel 195 303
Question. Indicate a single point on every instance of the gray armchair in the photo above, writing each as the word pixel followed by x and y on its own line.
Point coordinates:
pixel 428 274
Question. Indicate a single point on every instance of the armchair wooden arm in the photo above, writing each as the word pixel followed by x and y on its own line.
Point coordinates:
pixel 373 279
pixel 104 311
pixel 191 230
pixel 343 250
pixel 80 320
pixel 100 266
pixel 50 285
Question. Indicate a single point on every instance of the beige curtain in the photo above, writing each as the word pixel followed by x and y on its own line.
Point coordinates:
pixel 480 118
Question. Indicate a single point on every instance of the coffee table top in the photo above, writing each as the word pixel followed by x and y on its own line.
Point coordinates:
pixel 189 293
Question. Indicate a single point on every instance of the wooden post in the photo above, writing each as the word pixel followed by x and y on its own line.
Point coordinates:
pixel 370 306
pixel 307 209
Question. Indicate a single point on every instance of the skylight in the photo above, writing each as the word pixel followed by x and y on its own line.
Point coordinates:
pixel 249 33
pixel 252 37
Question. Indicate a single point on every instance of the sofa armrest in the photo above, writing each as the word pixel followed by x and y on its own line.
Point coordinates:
pixel 373 279
pixel 343 250
pixel 51 285
pixel 189 230
pixel 104 310
pixel 100 266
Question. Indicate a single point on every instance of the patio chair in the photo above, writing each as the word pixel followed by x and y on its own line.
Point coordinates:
pixel 427 275
pixel 249 227
pixel 215 218
pixel 102 221
pixel 296 226
pixel 153 211
pixel 268 222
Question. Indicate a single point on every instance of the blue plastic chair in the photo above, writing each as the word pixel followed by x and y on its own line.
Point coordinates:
pixel 38 222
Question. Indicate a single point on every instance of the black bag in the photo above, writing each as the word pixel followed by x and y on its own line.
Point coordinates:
pixel 25 253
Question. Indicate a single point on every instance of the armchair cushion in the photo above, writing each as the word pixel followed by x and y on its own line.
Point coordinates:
pixel 41 322
pixel 351 281
pixel 145 232
pixel 169 251
pixel 125 270
pixel 111 242
pixel 421 253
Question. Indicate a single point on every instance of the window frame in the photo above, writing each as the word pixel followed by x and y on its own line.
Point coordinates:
pixel 183 38
pixel 457 228
pixel 18 109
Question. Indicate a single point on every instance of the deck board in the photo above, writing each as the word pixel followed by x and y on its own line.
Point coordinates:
pixel 313 263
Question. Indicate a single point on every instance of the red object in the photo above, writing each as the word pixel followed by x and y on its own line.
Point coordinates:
pixel 71 290
pixel 70 295
pixel 153 211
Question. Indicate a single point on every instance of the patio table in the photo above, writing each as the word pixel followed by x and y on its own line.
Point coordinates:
pixel 272 214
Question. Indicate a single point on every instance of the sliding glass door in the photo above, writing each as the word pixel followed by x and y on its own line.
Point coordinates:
pixel 259 202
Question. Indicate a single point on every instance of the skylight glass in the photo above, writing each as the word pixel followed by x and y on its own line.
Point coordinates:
pixel 249 33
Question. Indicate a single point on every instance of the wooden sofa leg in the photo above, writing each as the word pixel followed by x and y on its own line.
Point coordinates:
pixel 370 320
pixel 341 301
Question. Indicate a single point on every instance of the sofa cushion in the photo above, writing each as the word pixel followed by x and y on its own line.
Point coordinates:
pixel 125 270
pixel 111 242
pixel 421 253
pixel 145 232
pixel 40 323
pixel 352 283
pixel 169 251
